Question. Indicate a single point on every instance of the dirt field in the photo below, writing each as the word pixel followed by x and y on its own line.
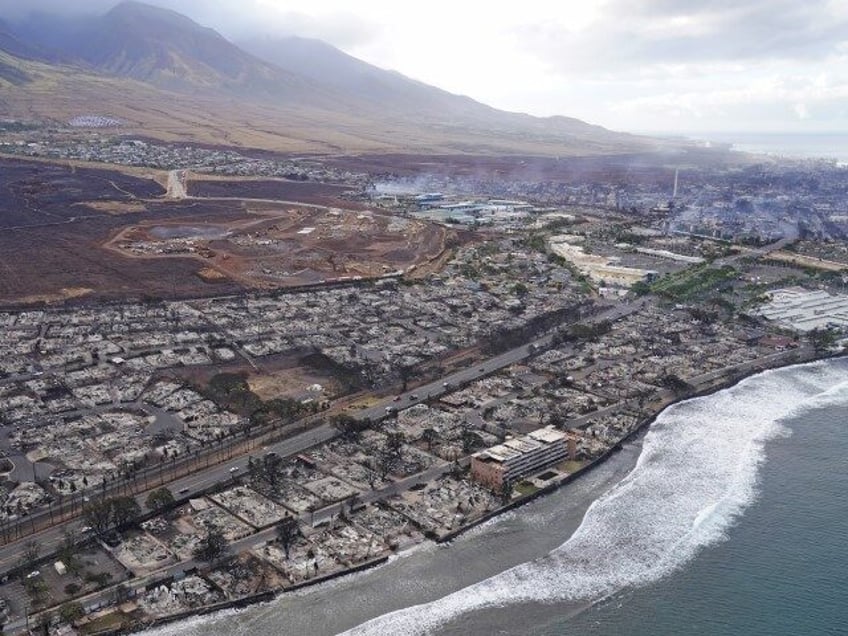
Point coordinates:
pixel 279 376
pixel 270 246
pixel 50 237
pixel 812 262
pixel 65 232
pixel 291 383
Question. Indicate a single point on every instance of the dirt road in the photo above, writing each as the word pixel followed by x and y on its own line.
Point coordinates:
pixel 176 185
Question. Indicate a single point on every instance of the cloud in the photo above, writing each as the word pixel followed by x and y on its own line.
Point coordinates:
pixel 344 30
pixel 770 100
pixel 235 19
pixel 626 64
pixel 17 9
pixel 634 33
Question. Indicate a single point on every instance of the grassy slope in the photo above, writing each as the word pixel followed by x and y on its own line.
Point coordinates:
pixel 58 94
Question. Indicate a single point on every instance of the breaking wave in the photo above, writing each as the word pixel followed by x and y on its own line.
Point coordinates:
pixel 696 474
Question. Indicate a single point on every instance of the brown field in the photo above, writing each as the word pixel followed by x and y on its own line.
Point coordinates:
pixel 114 207
pixel 278 376
pixel 291 383
pixel 803 260
pixel 58 94
pixel 64 231
pixel 270 246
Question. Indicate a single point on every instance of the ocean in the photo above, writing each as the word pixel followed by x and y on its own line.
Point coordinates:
pixel 729 516
pixel 797 145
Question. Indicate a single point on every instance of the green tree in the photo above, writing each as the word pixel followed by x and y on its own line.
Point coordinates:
pixel 268 471
pixel 98 516
pixel 640 288
pixel 284 408
pixel 469 438
pixel 406 373
pixel 125 510
pixel 507 489
pixel 68 551
pixel 430 436
pixel 822 339
pixel 159 500
pixel 676 384
pixel 37 590
pixel 29 556
pixel 70 612
pixel 349 427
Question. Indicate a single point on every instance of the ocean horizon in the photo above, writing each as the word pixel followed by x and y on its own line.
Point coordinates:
pixel 832 146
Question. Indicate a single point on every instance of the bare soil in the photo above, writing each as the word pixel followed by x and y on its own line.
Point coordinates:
pixel 61 225
pixel 275 189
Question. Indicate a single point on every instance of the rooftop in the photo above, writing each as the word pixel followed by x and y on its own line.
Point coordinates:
pixel 521 445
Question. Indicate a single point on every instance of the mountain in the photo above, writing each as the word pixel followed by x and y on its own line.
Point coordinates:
pixel 164 48
pixel 391 90
pixel 10 42
pixel 167 76
pixel 324 63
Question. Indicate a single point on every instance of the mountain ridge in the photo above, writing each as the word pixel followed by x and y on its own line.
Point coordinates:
pixel 289 80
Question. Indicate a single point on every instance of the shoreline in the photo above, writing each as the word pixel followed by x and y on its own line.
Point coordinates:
pixel 727 380
pixel 637 430
pixel 256 599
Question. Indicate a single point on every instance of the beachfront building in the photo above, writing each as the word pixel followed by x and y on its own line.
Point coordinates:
pixel 519 457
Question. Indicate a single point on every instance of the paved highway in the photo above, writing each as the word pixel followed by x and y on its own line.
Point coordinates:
pixel 205 478
pixel 451 382
pixel 51 538
pixel 196 483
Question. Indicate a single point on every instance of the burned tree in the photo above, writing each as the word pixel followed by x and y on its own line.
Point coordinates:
pixel 288 532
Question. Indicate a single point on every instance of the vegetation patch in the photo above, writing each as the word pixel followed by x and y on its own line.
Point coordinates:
pixel 693 282
pixel 526 488
pixel 106 624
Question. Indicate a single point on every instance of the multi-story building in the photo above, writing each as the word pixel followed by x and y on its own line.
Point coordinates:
pixel 519 457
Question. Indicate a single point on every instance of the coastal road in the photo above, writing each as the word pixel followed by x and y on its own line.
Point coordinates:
pixel 457 379
pixel 50 539
pixel 219 473
pixel 106 596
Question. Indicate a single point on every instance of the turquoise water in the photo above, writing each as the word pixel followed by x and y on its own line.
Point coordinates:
pixel 733 521
pixel 729 517
pixel 784 566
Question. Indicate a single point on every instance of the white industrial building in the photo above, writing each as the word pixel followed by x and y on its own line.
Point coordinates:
pixel 804 310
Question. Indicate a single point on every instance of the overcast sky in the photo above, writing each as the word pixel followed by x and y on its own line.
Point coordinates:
pixel 638 65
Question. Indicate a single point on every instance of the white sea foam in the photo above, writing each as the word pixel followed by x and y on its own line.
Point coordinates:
pixel 697 472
